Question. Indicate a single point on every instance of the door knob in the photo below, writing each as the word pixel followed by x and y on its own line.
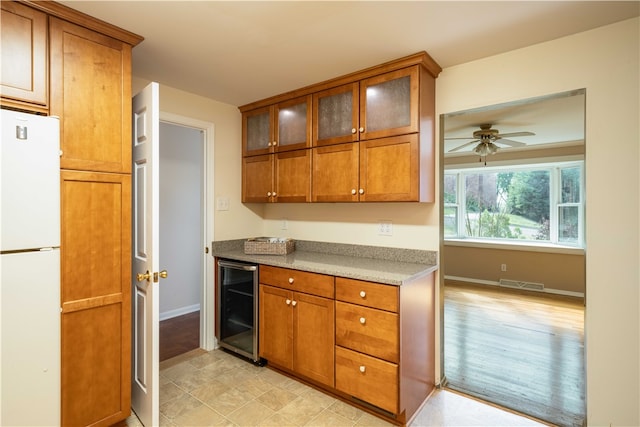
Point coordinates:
pixel 143 276
pixel 163 274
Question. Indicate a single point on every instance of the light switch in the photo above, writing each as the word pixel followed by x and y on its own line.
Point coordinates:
pixel 222 204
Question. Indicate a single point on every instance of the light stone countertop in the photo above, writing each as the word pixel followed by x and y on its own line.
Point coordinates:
pixel 391 266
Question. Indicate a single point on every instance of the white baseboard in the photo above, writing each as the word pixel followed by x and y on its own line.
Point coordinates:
pixel 179 312
pixel 492 283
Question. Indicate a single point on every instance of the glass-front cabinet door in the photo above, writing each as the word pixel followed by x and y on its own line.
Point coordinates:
pixel 335 115
pixel 389 104
pixel 257 131
pixel 293 130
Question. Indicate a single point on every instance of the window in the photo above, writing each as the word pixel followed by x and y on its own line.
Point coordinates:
pixel 541 203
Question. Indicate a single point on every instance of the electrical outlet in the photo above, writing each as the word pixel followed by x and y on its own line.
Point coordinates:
pixel 503 267
pixel 284 225
pixel 385 228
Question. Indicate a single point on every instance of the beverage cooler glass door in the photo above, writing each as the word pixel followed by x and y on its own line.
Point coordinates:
pixel 237 325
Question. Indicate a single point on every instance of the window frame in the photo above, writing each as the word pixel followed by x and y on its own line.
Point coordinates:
pixel 555 204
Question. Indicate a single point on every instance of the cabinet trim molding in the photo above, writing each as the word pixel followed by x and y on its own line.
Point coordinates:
pixel 420 58
pixel 66 13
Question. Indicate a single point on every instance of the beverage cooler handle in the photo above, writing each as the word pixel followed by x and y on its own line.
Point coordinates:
pixel 237 266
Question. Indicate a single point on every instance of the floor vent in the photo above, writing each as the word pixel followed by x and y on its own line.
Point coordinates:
pixel 531 286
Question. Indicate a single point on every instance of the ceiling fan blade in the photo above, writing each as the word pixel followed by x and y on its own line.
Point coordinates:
pixel 460 147
pixel 510 142
pixel 507 135
pixel 468 137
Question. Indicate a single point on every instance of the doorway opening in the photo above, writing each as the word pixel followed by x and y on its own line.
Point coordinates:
pixel 512 292
pixel 184 235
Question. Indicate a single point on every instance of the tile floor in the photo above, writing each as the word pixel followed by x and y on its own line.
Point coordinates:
pixel 218 389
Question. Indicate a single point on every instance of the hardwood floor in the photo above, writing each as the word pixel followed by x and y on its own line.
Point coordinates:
pixel 519 349
pixel 179 335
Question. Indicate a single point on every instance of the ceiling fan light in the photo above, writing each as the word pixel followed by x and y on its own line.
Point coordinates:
pixel 485 148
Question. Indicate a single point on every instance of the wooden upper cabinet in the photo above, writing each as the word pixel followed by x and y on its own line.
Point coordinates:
pixel 292 176
pixel 389 104
pixel 389 169
pixel 377 107
pixel 257 131
pixel 335 175
pixel 281 177
pixel 379 170
pixel 336 115
pixel 91 93
pixel 23 55
pixel 372 132
pixel 257 179
pixel 281 127
pixel 293 124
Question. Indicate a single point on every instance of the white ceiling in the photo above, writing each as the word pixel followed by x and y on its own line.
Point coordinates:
pixel 238 52
pixel 556 119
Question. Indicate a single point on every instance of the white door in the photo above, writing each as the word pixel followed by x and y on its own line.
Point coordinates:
pixel 145 256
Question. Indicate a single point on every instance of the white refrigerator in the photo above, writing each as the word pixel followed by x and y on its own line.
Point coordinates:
pixel 29 270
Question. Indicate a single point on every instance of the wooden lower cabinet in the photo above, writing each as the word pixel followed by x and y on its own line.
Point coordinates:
pixel 296 333
pixel 367 330
pixel 367 378
pixel 95 297
pixel 297 326
pixel 385 335
pixel 377 340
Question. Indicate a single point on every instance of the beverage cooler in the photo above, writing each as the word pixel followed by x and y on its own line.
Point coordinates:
pixel 237 308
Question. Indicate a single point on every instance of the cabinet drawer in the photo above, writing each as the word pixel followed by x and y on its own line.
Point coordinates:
pixel 367 378
pixel 367 330
pixel 299 281
pixel 375 295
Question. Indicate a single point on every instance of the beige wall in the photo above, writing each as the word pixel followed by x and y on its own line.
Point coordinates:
pixel 557 271
pixel 239 221
pixel 605 62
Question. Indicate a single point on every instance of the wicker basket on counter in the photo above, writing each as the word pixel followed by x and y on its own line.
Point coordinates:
pixel 269 246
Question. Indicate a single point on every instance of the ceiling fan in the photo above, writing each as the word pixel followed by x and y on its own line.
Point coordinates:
pixel 486 138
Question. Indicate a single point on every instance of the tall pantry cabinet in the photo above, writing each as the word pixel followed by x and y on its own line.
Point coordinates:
pixel 88 66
